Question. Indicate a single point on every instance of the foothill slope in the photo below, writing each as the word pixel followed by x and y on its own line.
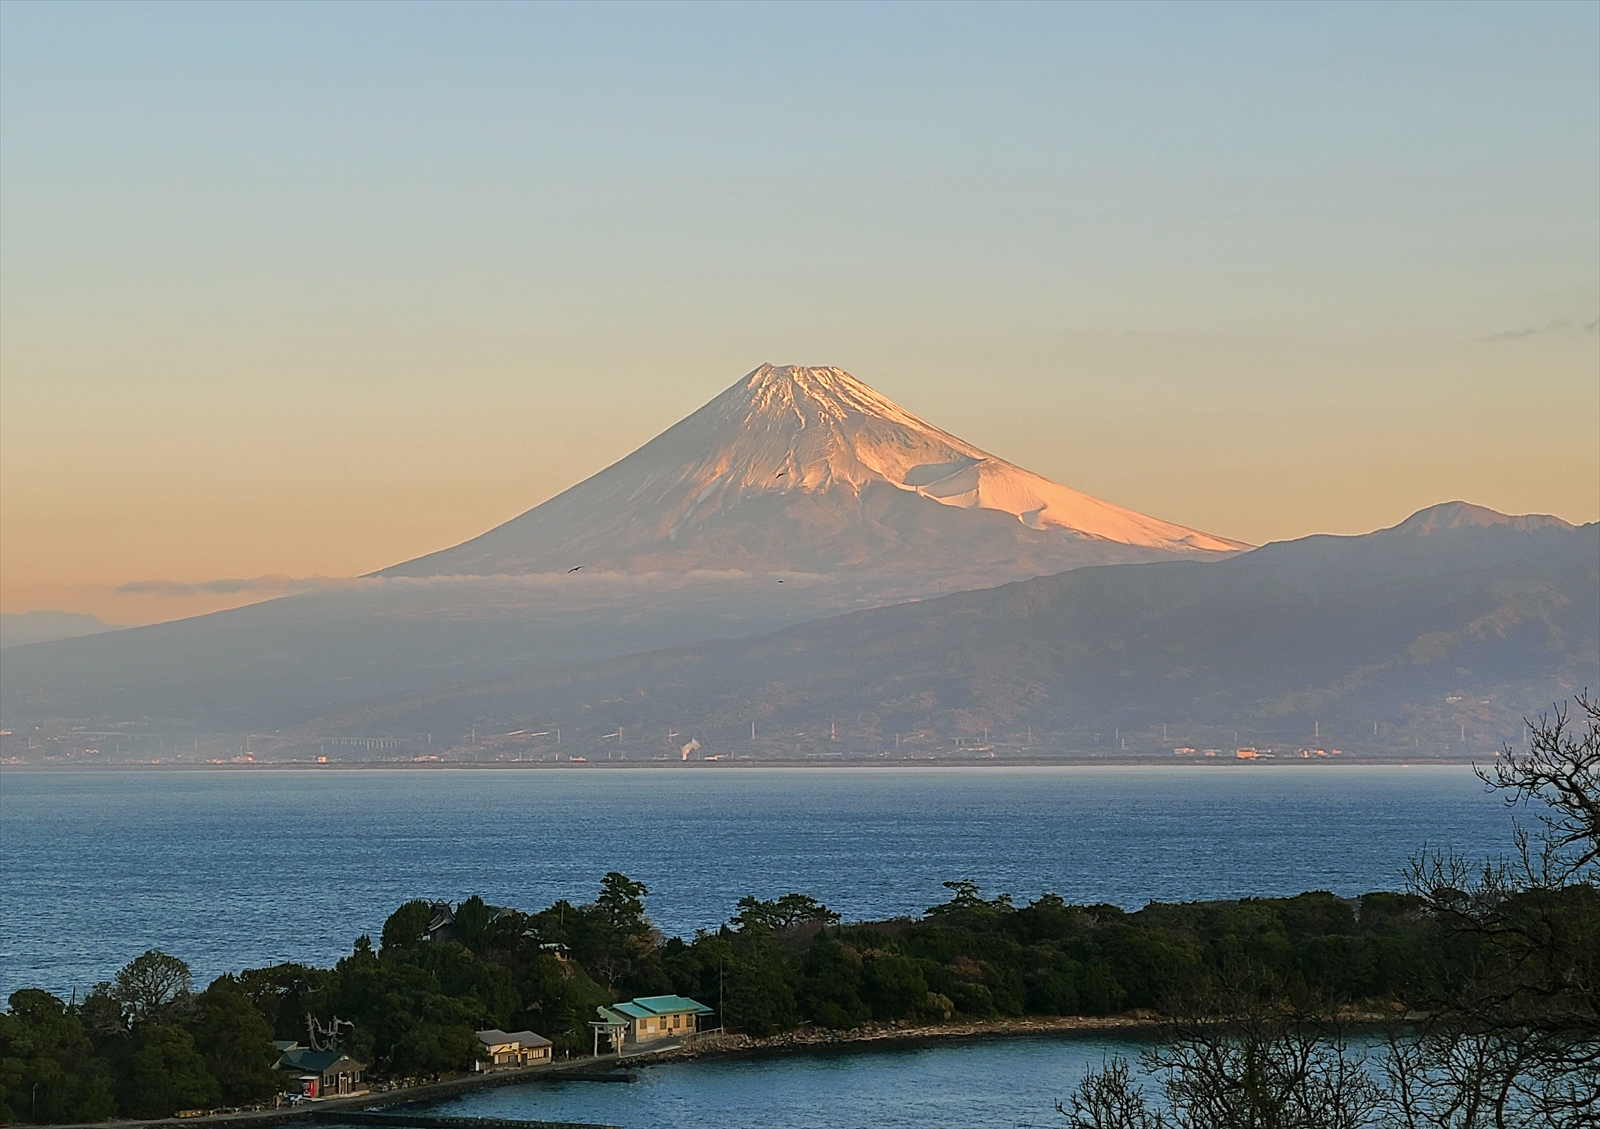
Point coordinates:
pixel 1456 623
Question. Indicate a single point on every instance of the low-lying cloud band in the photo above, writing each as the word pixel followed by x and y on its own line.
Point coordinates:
pixel 275 585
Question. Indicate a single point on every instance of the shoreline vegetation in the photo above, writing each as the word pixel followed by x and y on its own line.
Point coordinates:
pixel 799 1041
pixel 1486 977
pixel 780 974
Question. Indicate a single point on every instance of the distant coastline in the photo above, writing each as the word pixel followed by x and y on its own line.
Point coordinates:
pixel 1126 761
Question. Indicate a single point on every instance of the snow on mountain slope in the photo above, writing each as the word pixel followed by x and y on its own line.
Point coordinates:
pixel 809 468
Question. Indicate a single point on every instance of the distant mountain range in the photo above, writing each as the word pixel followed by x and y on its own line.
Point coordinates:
pixel 47 626
pixel 803 556
pixel 1456 623
pixel 797 493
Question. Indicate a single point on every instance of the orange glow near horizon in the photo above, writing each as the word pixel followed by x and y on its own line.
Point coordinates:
pixel 351 493
pixel 299 293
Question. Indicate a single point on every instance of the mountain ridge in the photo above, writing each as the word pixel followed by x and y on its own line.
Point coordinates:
pixel 1476 625
pixel 1462 515
pixel 48 626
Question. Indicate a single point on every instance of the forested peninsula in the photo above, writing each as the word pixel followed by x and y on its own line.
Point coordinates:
pixel 1495 964
pixel 144 1045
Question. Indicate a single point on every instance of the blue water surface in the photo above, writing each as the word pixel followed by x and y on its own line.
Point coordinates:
pixel 238 868
pixel 998 1083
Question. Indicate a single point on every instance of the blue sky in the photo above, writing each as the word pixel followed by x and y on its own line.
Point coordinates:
pixel 309 288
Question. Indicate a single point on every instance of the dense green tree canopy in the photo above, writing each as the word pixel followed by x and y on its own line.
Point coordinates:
pixel 406 926
pixel 166 1074
pixel 47 1067
pixel 142 1045
pixel 235 1042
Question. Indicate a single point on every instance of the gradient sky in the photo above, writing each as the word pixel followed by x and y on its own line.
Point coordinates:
pixel 309 289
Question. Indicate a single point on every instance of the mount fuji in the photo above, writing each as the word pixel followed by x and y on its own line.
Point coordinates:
pixel 809 469
pixel 797 493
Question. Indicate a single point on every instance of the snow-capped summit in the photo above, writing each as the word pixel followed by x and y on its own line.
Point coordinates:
pixel 810 470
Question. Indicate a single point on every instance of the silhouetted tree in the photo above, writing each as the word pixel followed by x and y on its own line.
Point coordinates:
pixel 151 984
pixel 1241 1056
pixel 1109 1099
pixel 782 913
pixel 1511 1034
pixel 613 937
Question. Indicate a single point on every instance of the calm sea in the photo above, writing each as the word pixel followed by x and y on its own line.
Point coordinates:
pixel 988 1083
pixel 237 868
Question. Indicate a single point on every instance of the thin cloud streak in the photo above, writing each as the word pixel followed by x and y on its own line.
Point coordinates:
pixel 268 585
pixel 1531 331
pixel 278 585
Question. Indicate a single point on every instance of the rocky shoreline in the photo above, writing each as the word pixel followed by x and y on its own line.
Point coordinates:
pixel 875 1035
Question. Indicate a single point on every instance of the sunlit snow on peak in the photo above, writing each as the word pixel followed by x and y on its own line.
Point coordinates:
pixel 799 467
pixel 812 428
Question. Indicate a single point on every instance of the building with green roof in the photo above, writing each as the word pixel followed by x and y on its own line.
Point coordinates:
pixel 647 1019
pixel 322 1074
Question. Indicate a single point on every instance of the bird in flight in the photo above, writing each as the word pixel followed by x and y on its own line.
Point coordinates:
pixel 780 474
pixel 574 569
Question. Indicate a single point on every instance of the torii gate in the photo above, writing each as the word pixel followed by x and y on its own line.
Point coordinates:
pixel 616 1030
